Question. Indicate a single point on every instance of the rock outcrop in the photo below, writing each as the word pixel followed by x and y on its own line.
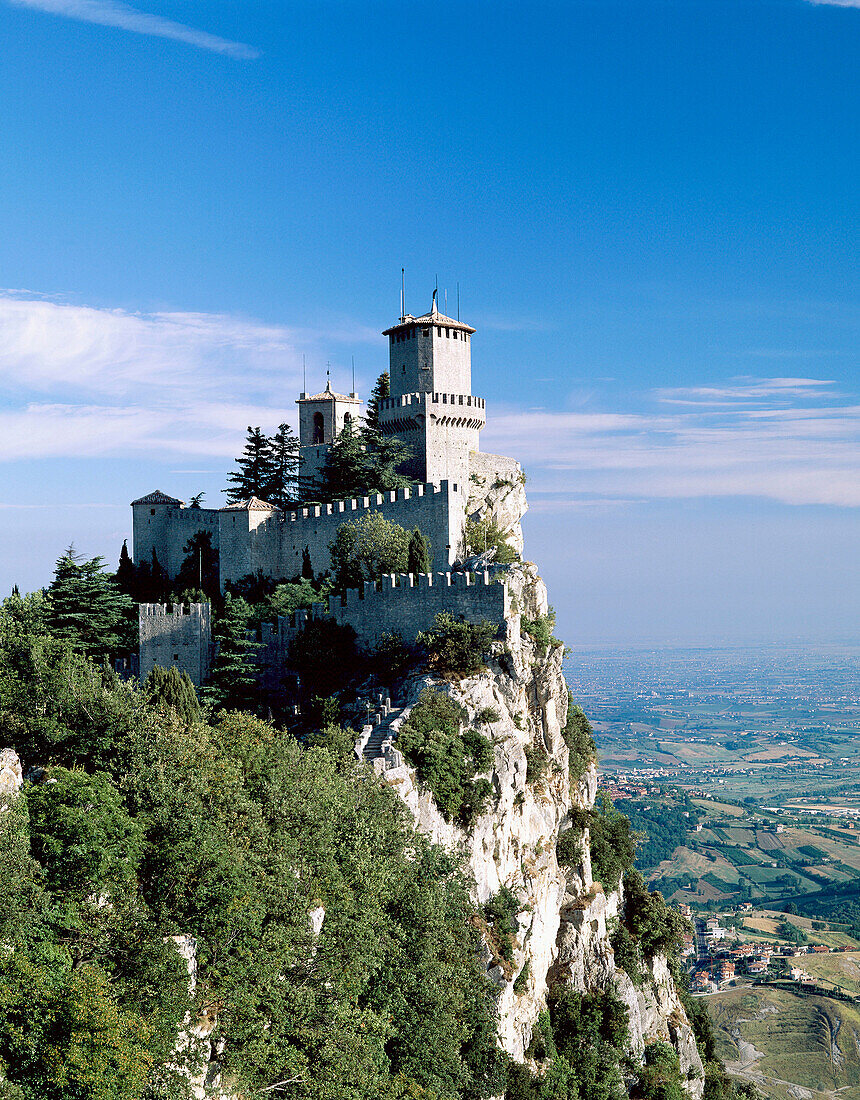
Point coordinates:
pixel 564 919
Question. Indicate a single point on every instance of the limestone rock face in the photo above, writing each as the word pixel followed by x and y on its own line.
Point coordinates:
pixel 497 492
pixel 564 916
pixel 11 777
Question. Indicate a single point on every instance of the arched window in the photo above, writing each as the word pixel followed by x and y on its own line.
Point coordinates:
pixel 347 419
pixel 319 428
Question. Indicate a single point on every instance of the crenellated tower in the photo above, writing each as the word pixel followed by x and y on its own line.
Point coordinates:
pixel 431 407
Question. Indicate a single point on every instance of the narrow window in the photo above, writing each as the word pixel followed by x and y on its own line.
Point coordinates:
pixel 425 331
pixel 152 511
pixel 319 428
pixel 347 419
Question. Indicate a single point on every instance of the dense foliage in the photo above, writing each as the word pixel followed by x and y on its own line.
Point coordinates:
pixel 142 822
pixel 364 549
pixel 446 757
pixel 662 826
pixel 454 647
pixel 485 534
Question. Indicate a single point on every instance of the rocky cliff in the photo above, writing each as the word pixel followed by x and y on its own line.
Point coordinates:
pixel 564 917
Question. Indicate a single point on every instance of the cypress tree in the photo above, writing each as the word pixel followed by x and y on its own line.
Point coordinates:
pixel 418 553
pixel 86 607
pixel 307 566
pixel 126 574
pixel 255 469
pixel 168 687
pixel 199 570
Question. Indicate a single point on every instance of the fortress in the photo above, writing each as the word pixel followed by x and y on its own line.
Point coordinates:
pixel 432 409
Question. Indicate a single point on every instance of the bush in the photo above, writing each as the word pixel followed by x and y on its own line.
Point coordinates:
pixel 612 846
pixel 487 716
pixel 500 912
pixel 540 629
pixel 579 738
pixel 445 758
pixel 537 762
pixel 365 549
pixel 485 534
pixel 455 647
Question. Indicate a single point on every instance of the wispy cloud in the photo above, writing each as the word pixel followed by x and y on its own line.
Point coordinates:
pixel 113 13
pixel 770 439
pixel 836 3
pixel 75 380
pixel 746 389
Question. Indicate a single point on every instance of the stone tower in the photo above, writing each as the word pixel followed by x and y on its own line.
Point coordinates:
pixel 431 406
pixel 321 419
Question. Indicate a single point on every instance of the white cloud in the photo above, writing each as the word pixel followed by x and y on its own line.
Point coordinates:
pixel 113 13
pixel 797 455
pixel 745 389
pixel 79 381
pixel 836 3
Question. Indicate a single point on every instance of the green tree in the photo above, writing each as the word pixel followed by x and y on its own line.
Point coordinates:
pixel 168 687
pixel 486 534
pixel 456 647
pixel 233 679
pixel 281 488
pixel 255 468
pixel 344 473
pixel 307 565
pixel 385 456
pixel 366 548
pixel 418 558
pixel 381 390
pixel 126 574
pixel 87 609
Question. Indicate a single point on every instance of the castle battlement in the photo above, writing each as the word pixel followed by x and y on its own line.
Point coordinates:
pixel 403 603
pixel 173 635
pixel 374 500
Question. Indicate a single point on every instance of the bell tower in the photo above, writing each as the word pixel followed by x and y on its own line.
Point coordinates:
pixel 431 407
pixel 322 417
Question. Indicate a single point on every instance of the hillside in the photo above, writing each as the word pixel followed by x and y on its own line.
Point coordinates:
pixel 789 1046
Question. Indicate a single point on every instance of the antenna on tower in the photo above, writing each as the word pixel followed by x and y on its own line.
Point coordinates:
pixel 353 374
pixel 446 301
pixel 403 294
pixel 458 300
pixel 304 374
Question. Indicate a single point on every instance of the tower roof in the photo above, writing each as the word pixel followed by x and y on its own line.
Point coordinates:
pixel 434 317
pixel 252 504
pixel 329 394
pixel 156 497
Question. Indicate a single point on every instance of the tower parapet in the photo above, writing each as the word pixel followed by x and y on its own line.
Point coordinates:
pixel 175 636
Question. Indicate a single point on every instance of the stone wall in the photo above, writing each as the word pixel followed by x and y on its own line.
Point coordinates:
pixel 166 528
pixel 175 636
pixel 273 541
pixel 402 604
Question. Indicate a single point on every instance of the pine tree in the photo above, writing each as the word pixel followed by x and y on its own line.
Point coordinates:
pixel 381 390
pixel 196 500
pixel 307 565
pixel 233 680
pixel 418 553
pixel 86 607
pixel 255 468
pixel 385 456
pixel 282 486
pixel 344 474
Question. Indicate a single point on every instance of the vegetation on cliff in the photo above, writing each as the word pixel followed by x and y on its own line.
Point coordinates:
pixel 138 825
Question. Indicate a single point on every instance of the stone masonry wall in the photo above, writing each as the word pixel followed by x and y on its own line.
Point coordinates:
pixel 175 636
pixel 277 539
pixel 403 604
pixel 166 528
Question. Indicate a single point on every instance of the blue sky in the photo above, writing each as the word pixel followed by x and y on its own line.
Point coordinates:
pixel 651 209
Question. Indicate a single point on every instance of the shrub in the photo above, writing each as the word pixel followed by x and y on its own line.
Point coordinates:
pixel 500 912
pixel 485 534
pixel 579 738
pixel 540 629
pixel 457 647
pixel 612 846
pixel 487 716
pixel 536 763
pixel 446 759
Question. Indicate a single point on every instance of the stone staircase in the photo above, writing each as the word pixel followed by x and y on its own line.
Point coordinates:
pixel 382 726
